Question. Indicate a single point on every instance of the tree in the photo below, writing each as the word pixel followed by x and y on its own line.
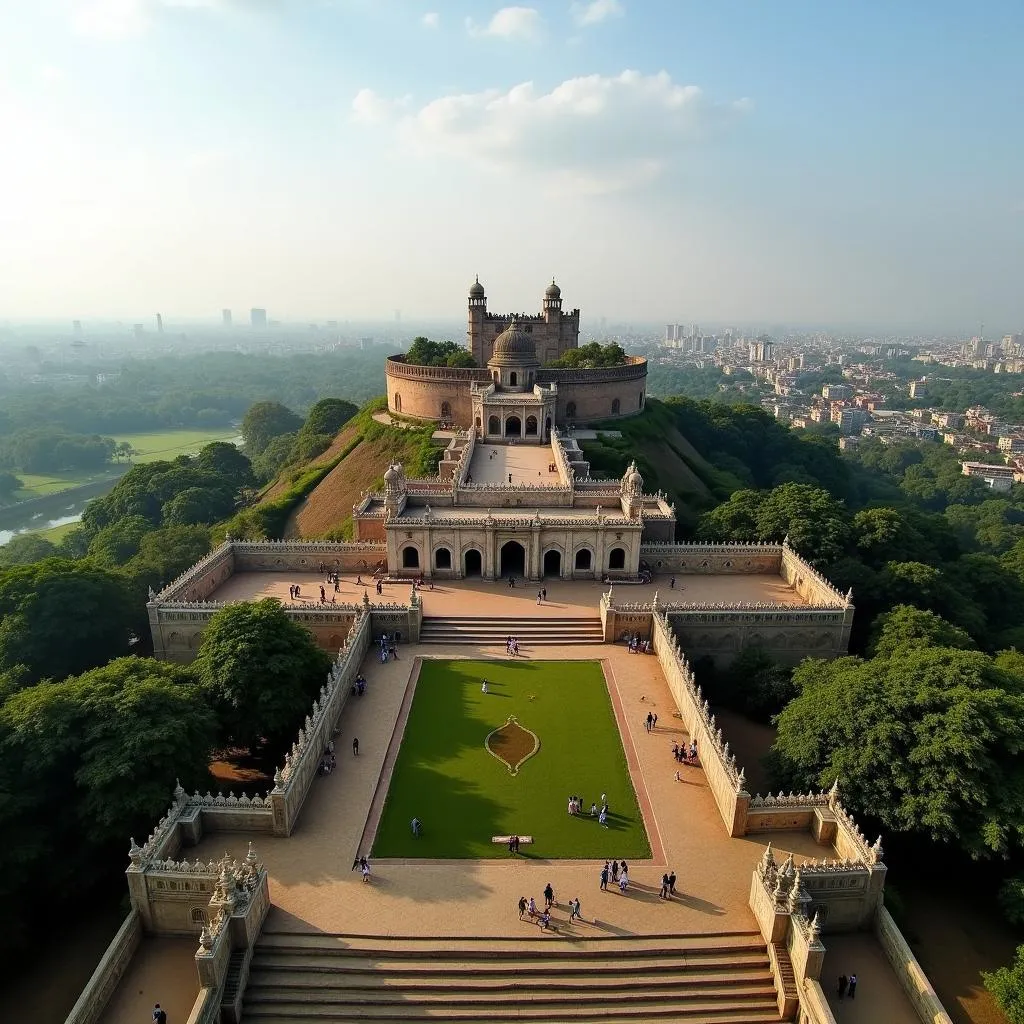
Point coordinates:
pixel 274 457
pixel 260 671
pixel 906 626
pixel 926 739
pixel 328 416
pixel 223 459
pixel 424 352
pixel 116 544
pixel 9 484
pixel 198 505
pixel 166 553
pixel 26 548
pixel 265 421
pixel 1007 988
pixel 59 618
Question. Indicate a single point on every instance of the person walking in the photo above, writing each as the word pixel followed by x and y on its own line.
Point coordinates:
pixel 574 909
pixel 853 986
pixel 549 896
pixel 672 884
pixel 604 876
pixel 355 746
pixel 522 907
pixel 664 887
pixel 841 986
pixel 654 722
pixel 159 1017
pixel 649 722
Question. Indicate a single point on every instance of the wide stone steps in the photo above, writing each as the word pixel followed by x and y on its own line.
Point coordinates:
pixel 336 979
pixel 468 629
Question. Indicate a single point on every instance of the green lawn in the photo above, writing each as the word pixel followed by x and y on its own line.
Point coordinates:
pixel 447 778
pixel 168 444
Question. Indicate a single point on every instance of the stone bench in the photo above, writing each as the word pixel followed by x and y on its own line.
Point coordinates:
pixel 504 840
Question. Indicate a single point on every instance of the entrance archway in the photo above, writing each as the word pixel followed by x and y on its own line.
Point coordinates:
pixel 410 558
pixel 617 558
pixel 513 427
pixel 531 426
pixel 473 563
pixel 547 428
pixel 583 559
pixel 442 558
pixel 493 425
pixel 552 563
pixel 513 559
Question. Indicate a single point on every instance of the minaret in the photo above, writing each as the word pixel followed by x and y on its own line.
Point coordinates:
pixel 477 316
pixel 552 303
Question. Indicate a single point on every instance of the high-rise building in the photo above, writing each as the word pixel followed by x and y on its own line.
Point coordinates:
pixel 670 334
pixel 76 328
pixel 159 324
pixel 138 330
pixel 258 317
pixel 225 317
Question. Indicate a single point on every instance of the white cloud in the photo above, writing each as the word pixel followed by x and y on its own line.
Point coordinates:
pixel 596 11
pixel 431 19
pixel 510 23
pixel 595 134
pixel 122 19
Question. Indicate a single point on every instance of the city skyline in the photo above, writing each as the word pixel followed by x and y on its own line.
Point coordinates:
pixel 722 163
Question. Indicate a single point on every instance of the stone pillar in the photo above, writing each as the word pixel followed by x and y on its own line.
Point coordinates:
pixel 535 568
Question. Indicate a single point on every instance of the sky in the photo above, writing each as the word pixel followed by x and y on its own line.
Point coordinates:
pixel 707 161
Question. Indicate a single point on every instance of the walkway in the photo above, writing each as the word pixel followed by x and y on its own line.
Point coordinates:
pixel 525 463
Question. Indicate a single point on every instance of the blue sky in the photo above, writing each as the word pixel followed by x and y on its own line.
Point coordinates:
pixel 677 160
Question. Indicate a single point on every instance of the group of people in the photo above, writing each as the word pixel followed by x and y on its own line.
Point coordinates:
pixel 388 647
pixel 513 845
pixel 364 867
pixel 542 595
pixel 668 885
pixel 512 646
pixel 328 763
pixel 685 754
pixel 528 908
pixel 651 721
pixel 617 874
pixel 575 808
pixel 637 645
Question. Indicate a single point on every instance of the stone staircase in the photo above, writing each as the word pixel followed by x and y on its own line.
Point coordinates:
pixel 336 979
pixel 467 629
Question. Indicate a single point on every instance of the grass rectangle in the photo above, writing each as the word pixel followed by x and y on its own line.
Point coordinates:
pixel 446 777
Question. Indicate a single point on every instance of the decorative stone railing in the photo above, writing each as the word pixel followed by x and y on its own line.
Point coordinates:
pixel 634 368
pixel 104 980
pixel 794 565
pixel 396 366
pixel 465 458
pixel 912 979
pixel 208 563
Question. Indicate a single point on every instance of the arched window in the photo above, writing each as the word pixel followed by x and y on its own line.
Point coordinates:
pixel 615 407
pixel 494 425
pixel 443 558
pixel 497 377
pixel 398 402
pixel 640 403
pixel 478 423
pixel 583 558
pixel 198 915
pixel 512 379
pixel 410 558
pixel 529 383
pixel 570 409
pixel 531 425
pixel 617 558
pixel 446 410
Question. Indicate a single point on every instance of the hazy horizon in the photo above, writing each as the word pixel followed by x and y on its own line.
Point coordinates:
pixel 718 162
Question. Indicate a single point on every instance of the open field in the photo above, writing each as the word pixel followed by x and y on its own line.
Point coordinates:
pixel 464 794
pixel 168 444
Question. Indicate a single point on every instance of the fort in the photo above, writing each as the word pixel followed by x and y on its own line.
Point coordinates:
pixel 512 392
pixel 243 908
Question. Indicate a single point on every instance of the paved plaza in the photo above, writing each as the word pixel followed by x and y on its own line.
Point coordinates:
pixel 576 598
pixel 529 464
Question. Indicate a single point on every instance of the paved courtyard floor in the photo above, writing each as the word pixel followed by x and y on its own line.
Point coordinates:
pixel 524 463
pixel 575 598
pixel 314 889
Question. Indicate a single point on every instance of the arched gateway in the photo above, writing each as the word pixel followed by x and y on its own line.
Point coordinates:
pixel 513 559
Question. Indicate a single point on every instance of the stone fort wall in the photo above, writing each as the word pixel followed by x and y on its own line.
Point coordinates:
pixel 422 392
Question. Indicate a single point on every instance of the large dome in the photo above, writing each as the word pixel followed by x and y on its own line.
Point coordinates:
pixel 514 346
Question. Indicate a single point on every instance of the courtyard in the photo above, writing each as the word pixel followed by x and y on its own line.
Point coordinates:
pixel 473 765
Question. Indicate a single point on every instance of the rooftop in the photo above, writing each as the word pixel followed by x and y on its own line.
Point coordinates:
pixel 525 463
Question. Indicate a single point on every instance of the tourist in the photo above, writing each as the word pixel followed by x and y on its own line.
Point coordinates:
pixel 604 876
pixel 679 777
pixel 572 807
pixel 615 870
pixel 604 800
pixel 417 828
pixel 543 593
pixel 337 585
pixel 841 986
pixel 593 810
pixel 549 896
pixel 298 590
pixel 533 907
pixel 574 909
pixel 672 583
pixel 545 920
pixel 623 883
pixel 355 746
pixel 649 721
pixel 675 751
pixel 672 884
pixel 852 990
pixel 483 686
pixel 623 868
pixel 511 844
pixel 159 1017
pixel 511 582
pixel 366 871
pixel 538 597
pixel 602 819
pixel 654 723
pixel 664 887
pixel 522 907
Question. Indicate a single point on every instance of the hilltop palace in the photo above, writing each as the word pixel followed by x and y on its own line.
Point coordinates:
pixel 779 894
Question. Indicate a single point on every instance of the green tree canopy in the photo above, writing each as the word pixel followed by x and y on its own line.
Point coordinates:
pixel 9 483
pixel 224 460
pixel 263 422
pixel 592 355
pixel 424 352
pixel 116 544
pixel 274 457
pixel 906 626
pixel 926 739
pixel 197 506
pixel 60 618
pixel 328 416
pixel 260 671
pixel 25 548
pixel 1007 988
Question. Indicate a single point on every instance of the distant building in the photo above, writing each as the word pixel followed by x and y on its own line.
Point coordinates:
pixel 918 388
pixel 1011 443
pixel 258 317
pixel 999 478
pixel 949 419
pixel 225 318
pixel 159 324
pixel 836 391
pixel 850 420
pixel 761 351
pixel 849 442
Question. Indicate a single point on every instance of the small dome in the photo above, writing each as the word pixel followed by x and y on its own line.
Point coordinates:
pixel 553 291
pixel 393 476
pixel 633 480
pixel 514 346
pixel 476 289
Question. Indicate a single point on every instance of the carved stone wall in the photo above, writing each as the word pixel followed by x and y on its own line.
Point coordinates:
pixel 713 559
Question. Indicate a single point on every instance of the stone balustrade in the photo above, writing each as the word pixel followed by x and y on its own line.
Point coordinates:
pixel 104 979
